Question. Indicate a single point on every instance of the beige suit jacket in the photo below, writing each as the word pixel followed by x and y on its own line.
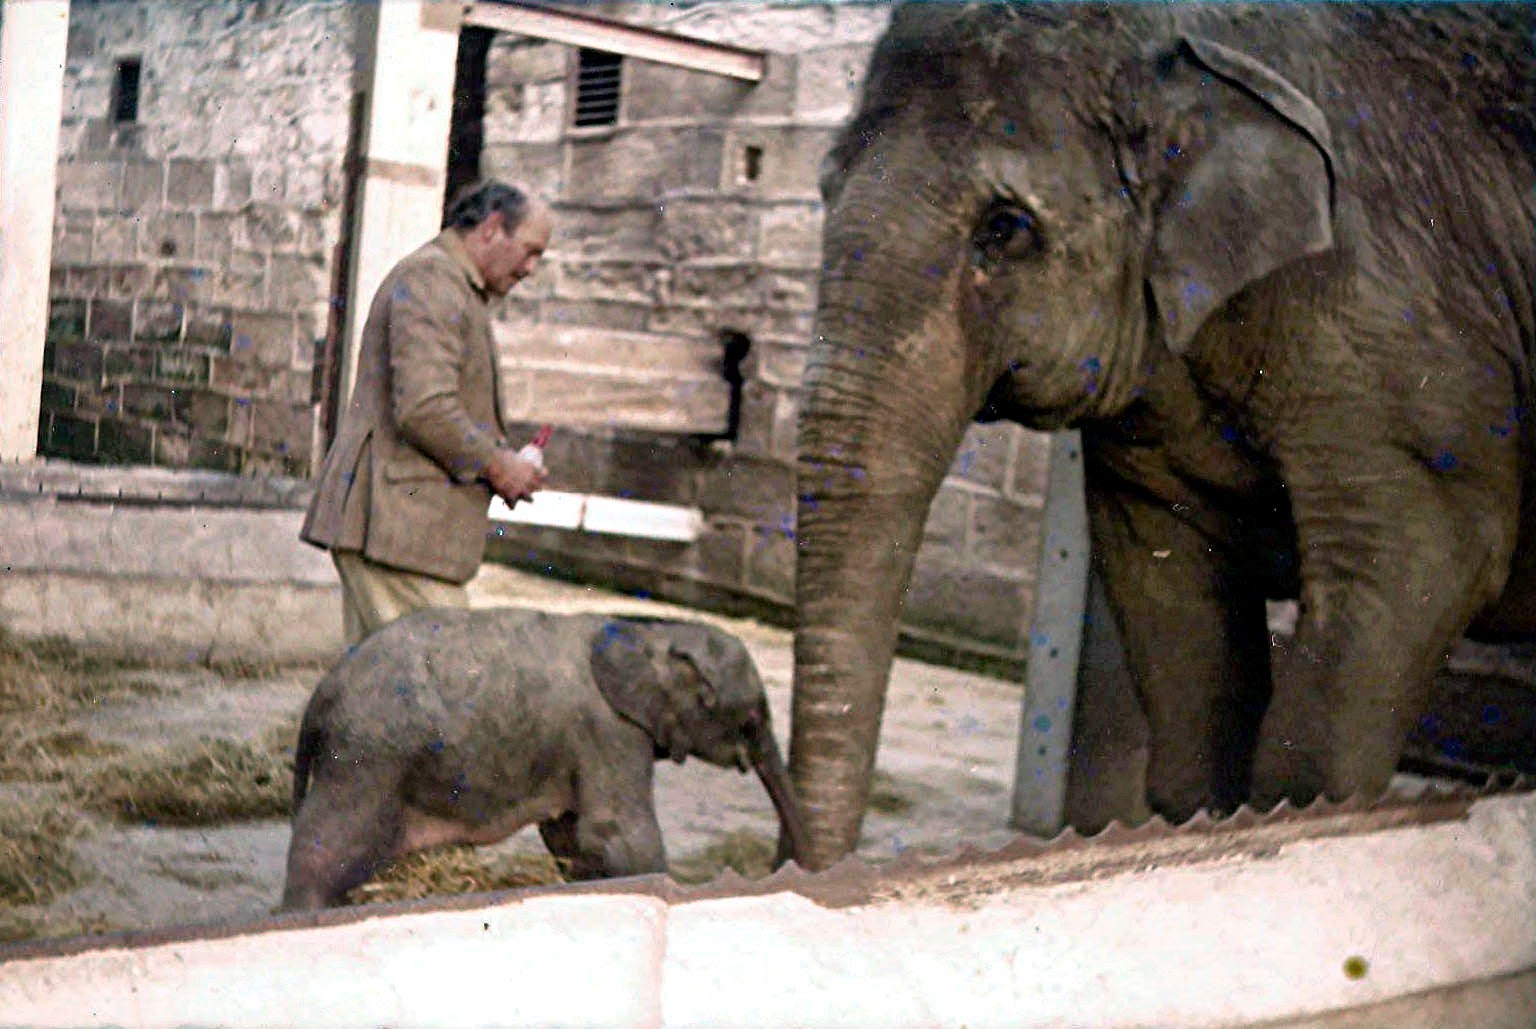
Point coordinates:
pixel 401 483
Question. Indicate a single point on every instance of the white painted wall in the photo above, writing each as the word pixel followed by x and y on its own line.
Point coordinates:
pixel 32 38
pixel 405 151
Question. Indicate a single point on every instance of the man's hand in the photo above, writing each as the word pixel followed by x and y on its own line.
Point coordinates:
pixel 512 478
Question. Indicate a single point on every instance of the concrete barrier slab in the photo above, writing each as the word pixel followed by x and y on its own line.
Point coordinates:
pixel 552 961
pixel 1195 927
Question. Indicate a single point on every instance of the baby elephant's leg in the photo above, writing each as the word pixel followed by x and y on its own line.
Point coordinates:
pixel 340 837
pixel 602 848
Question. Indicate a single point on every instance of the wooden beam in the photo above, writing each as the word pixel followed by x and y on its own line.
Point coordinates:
pixel 601 378
pixel 615 37
pixel 614 516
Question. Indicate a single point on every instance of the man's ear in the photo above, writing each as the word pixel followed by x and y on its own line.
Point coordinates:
pixel 490 226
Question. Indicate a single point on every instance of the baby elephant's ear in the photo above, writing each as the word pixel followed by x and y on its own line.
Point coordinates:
pixel 627 664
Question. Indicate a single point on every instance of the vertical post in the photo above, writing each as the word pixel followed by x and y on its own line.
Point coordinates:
pixel 33 34
pixel 1045 730
pixel 409 105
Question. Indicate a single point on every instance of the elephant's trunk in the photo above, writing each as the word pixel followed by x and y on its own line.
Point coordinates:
pixel 763 752
pixel 891 390
pixel 849 595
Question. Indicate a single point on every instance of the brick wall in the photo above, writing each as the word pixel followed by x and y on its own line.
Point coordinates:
pixel 664 228
pixel 194 244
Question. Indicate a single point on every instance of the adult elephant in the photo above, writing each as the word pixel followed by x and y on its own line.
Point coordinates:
pixel 1276 262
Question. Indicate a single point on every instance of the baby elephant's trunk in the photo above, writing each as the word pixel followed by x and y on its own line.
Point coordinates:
pixel 764 754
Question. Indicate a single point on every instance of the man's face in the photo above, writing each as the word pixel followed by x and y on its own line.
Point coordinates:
pixel 510 257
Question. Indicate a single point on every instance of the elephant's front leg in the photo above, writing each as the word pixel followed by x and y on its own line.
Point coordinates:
pixel 1107 773
pixel 1391 576
pixel 1195 643
pixel 612 833
pixel 601 848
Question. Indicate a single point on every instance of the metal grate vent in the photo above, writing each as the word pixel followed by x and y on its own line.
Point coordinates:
pixel 597 88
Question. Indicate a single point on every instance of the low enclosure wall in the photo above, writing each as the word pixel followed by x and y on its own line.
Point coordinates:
pixel 172 567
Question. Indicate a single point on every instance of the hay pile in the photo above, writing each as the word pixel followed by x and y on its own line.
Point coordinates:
pixel 209 782
pixel 54 776
pixel 452 870
pixel 50 756
pixel 39 682
pixel 40 676
pixel 42 682
pixel 36 862
pixel 445 871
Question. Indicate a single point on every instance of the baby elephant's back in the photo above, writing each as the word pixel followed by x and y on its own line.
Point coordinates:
pixel 430 668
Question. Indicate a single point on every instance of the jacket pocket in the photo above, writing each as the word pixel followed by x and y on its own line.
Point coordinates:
pixel 418 469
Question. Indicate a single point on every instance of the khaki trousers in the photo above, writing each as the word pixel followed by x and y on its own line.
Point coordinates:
pixel 373 595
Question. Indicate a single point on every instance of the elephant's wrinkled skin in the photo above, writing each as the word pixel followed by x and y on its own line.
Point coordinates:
pixel 1276 261
pixel 453 726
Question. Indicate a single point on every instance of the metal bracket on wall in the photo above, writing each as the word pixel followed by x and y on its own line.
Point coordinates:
pixel 1056 637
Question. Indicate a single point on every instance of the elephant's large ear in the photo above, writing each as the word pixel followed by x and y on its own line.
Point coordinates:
pixel 629 665
pixel 1257 195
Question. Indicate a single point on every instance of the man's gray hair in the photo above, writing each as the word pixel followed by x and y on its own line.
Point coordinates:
pixel 479 200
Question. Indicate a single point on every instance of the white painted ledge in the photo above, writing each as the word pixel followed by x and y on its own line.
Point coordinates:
pixel 1235 934
pixel 441 969
pixel 593 513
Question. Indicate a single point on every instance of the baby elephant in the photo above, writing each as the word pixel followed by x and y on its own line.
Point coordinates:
pixel 455 726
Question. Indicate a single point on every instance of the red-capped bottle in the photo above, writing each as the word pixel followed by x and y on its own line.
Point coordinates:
pixel 533 451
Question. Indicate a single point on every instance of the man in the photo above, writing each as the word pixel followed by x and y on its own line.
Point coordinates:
pixel 401 499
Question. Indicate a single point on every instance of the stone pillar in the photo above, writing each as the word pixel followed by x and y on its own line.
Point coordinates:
pixel 32 37
pixel 405 149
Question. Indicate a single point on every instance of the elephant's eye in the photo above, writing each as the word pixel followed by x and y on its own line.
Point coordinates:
pixel 1007 231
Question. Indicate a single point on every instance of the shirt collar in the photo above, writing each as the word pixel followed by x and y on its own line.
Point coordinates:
pixel 451 241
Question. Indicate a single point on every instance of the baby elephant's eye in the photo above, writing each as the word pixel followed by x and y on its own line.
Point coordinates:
pixel 1006 231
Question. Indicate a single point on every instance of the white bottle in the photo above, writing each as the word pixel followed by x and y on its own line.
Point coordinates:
pixel 533 452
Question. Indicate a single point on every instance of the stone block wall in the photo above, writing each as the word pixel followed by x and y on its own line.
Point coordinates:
pixel 194 244
pixel 698 216
pixel 195 251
